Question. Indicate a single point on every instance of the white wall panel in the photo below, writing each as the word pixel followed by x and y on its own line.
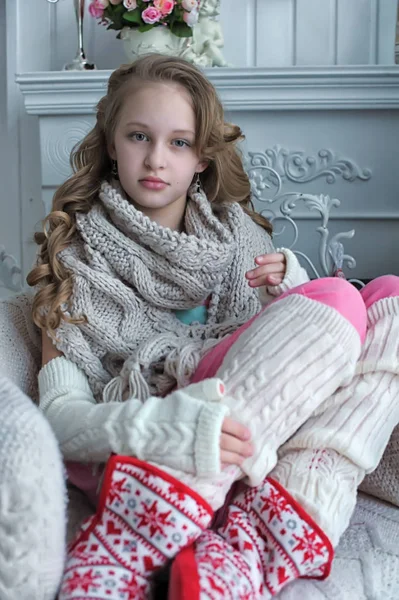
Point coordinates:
pixel 266 33
pixel 315 32
pixel 357 31
pixel 239 30
pixel 275 33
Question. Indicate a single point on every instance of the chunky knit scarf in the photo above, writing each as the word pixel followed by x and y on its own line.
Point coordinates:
pixel 131 275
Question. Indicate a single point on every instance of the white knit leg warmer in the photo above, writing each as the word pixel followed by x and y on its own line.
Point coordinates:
pixel 32 500
pixel 291 358
pixel 324 462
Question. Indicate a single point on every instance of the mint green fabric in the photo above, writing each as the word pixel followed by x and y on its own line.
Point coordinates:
pixel 190 315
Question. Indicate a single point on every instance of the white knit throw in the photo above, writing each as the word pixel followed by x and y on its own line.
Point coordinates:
pixel 131 275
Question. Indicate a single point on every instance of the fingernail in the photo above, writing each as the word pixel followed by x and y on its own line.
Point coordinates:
pixel 221 388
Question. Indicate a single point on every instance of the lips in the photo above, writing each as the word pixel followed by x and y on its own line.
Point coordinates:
pixel 153 183
pixel 153 180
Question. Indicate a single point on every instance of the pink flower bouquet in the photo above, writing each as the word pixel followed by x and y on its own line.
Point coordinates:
pixel 178 15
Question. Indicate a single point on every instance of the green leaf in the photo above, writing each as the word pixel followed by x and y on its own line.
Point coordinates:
pixel 119 9
pixel 115 16
pixel 145 27
pixel 181 30
pixel 133 16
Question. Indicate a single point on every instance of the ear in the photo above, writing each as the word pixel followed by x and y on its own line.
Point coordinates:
pixel 201 166
pixel 111 151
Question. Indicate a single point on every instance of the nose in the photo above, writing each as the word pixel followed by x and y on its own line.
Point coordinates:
pixel 156 156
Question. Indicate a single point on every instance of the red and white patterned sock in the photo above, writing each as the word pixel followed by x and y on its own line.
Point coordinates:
pixel 144 518
pixel 267 541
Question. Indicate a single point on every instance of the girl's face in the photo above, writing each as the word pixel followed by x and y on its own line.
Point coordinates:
pixel 154 147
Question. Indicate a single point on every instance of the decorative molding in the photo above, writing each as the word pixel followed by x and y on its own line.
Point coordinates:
pixel 279 208
pixel 292 88
pixel 57 143
pixel 298 167
pixel 10 272
pixel 350 216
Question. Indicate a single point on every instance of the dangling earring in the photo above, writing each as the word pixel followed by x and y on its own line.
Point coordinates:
pixel 198 184
pixel 114 170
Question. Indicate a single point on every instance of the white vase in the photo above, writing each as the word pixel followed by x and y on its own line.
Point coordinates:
pixel 157 39
pixel 203 49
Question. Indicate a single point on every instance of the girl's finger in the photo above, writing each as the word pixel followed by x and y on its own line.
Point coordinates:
pixel 270 258
pixel 265 281
pixel 229 443
pixel 232 427
pixel 264 271
pixel 230 458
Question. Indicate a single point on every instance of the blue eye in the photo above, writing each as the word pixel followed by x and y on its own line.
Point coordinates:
pixel 138 137
pixel 181 143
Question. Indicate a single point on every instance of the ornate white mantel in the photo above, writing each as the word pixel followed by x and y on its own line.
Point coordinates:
pixel 326 130
pixel 307 88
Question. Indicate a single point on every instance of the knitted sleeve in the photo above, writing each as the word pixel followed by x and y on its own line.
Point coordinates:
pixel 295 275
pixel 181 431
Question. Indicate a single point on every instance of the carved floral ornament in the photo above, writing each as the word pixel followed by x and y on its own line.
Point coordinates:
pixel 269 170
pixel 10 272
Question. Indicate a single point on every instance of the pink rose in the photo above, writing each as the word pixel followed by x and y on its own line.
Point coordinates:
pixel 151 15
pixel 190 17
pixel 189 5
pixel 130 4
pixel 96 8
pixel 165 6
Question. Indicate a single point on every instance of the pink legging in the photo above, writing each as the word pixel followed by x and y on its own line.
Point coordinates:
pixel 334 292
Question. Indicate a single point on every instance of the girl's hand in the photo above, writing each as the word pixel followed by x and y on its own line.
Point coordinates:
pixel 270 270
pixel 234 443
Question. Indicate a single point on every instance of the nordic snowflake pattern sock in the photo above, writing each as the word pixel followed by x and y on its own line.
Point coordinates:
pixel 266 542
pixel 144 518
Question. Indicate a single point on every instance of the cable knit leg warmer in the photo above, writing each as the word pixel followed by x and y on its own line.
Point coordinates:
pixel 292 357
pixel 32 501
pixel 282 368
pixel 325 461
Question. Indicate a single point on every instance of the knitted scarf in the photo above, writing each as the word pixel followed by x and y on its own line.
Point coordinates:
pixel 131 275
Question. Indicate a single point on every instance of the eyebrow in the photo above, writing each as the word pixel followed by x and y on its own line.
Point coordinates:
pixel 145 126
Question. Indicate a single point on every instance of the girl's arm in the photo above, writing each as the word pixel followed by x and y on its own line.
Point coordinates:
pixel 187 430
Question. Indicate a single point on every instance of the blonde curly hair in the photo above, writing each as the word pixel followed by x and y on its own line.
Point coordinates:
pixel 224 180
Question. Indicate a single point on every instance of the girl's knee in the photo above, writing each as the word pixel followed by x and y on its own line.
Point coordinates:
pixel 340 295
pixel 380 288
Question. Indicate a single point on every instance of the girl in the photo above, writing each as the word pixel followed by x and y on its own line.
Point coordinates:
pixel 159 362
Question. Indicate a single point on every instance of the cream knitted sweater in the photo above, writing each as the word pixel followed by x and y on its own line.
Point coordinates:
pixel 181 430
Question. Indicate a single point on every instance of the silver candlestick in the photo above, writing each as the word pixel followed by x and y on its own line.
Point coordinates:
pixel 80 62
